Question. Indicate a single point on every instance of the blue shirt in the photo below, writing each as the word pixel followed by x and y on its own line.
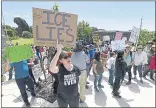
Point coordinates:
pixel 128 59
pixel 21 69
pixel 91 53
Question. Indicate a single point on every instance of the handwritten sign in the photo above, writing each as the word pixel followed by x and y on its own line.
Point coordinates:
pixel 118 35
pixel 18 53
pixel 118 45
pixel 48 26
pixel 134 34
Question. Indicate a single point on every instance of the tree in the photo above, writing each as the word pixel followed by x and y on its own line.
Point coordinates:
pixel 26 34
pixel 56 7
pixel 10 30
pixel 22 25
pixel 146 36
pixel 84 31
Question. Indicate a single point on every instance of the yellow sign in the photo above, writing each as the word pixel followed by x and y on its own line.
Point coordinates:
pixel 95 39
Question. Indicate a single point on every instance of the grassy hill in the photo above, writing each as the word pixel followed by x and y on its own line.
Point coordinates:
pixel 22 41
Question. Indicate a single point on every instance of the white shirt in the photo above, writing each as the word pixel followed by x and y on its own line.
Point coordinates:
pixel 139 58
pixel 110 61
pixel 145 61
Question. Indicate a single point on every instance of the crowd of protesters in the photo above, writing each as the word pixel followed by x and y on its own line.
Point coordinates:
pixel 71 69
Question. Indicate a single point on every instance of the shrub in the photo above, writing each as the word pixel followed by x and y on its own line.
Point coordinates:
pixel 26 34
pixel 13 38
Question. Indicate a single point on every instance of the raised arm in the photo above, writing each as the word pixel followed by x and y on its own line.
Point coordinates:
pixel 53 65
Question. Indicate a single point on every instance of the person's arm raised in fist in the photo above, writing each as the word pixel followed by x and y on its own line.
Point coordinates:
pixel 53 65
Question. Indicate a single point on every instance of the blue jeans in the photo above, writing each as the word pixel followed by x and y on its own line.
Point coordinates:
pixel 97 79
pixel 111 76
pixel 139 68
pixel 88 68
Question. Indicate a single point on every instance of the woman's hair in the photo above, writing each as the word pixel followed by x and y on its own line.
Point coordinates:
pixel 120 54
pixel 112 54
pixel 97 56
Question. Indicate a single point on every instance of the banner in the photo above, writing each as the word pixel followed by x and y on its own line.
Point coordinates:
pixel 134 34
pixel 95 39
pixel 48 26
pixel 18 53
pixel 118 45
pixel 118 35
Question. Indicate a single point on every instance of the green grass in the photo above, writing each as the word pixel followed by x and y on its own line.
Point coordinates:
pixel 22 41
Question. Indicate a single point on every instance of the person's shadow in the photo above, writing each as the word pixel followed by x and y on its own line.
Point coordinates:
pixel 100 98
pixel 153 82
pixel 83 105
pixel 123 102
pixel 134 88
pixel 144 84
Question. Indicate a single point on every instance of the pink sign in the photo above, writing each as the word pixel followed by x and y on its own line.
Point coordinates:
pixel 118 36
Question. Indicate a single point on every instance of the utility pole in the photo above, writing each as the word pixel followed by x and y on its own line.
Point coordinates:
pixel 139 33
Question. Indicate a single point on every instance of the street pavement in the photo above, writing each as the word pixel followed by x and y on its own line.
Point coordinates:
pixel 134 95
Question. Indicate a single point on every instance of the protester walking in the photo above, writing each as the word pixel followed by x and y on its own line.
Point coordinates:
pixel 111 67
pixel 68 75
pixel 22 78
pixel 138 62
pixel 149 55
pixel 97 71
pixel 128 58
pixel 120 69
pixel 79 59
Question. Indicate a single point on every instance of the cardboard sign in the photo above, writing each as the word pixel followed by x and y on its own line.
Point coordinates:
pixel 106 38
pixel 18 53
pixel 118 35
pixel 118 45
pixel 48 26
pixel 134 34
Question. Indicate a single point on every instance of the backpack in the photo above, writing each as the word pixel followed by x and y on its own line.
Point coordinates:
pixel 131 55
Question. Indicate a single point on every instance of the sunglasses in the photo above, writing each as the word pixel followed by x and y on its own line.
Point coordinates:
pixel 66 57
pixel 139 48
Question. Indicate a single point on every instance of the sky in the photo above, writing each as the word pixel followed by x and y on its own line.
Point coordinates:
pixel 106 15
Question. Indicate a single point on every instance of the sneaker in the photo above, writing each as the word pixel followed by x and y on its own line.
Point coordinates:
pixel 152 79
pixel 87 82
pixel 81 101
pixel 144 77
pixel 96 89
pixel 33 94
pixel 118 96
pixel 87 87
pixel 128 83
pixel 27 104
pixel 101 86
pixel 141 81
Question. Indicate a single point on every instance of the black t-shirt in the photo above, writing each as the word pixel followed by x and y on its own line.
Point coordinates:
pixel 68 82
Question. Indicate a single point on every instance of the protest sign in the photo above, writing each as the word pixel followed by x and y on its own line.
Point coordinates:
pixel 106 38
pixel 48 26
pixel 118 35
pixel 18 53
pixel 124 38
pixel 134 34
pixel 118 45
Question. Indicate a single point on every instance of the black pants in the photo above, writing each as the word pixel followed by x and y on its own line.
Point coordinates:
pixel 116 85
pixel 32 76
pixel 146 70
pixel 74 102
pixel 139 68
pixel 21 83
pixel 56 82
pixel 129 73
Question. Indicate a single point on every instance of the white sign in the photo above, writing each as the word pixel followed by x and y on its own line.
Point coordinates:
pixel 124 38
pixel 118 45
pixel 106 38
pixel 134 34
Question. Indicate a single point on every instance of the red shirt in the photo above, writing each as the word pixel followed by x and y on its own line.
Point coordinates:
pixel 152 65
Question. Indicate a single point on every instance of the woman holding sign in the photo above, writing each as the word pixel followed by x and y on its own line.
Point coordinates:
pixel 68 76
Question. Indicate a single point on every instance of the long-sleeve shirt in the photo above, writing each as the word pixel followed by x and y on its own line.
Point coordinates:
pixel 138 58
